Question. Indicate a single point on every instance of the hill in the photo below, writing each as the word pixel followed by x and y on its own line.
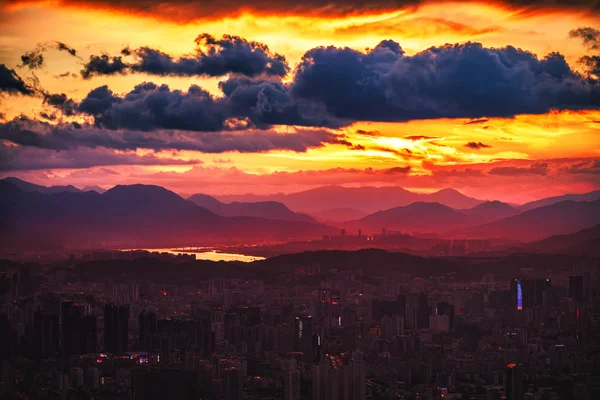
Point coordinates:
pixel 264 209
pixel 556 219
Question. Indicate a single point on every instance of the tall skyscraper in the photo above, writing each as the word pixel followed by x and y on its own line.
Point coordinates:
pixel 291 380
pixel 232 383
pixel 513 382
pixel 576 288
pixel 116 318
pixel 444 308
pixel 147 328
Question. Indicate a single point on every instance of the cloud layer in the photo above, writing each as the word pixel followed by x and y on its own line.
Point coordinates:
pixel 191 10
pixel 213 57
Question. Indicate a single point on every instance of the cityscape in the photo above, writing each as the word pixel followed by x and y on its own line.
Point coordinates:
pixel 299 200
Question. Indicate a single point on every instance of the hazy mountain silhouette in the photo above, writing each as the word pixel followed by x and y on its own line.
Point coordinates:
pixel 590 196
pixel 586 241
pixel 32 187
pixel 93 188
pixel 416 217
pixel 262 209
pixel 490 211
pixel 338 214
pixel 131 216
pixel 451 198
pixel 556 219
pixel 368 199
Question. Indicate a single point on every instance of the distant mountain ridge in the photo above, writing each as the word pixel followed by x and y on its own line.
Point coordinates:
pixel 586 241
pixel 367 199
pixel 564 217
pixel 590 196
pixel 32 187
pixel 263 209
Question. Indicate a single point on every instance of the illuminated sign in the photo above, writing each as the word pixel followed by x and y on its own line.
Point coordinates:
pixel 519 296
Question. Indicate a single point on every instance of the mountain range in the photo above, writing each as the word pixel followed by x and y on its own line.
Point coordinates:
pixel 152 216
pixel 130 216
pixel 262 209
pixel 367 199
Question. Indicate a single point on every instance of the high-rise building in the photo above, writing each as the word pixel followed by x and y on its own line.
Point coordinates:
pixel 513 382
pixel 116 318
pixel 423 312
pixel 576 288
pixel 316 347
pixel 45 335
pixel 165 383
pixel 147 328
pixel 303 333
pixel 232 383
pixel 444 308
pixel 78 331
pixel 291 380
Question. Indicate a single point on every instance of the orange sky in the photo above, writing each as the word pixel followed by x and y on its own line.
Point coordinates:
pixel 515 159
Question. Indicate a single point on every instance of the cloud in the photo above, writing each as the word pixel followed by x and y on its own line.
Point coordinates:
pixel 534 169
pixel 61 102
pixel 65 136
pixel 149 106
pixel 11 82
pixel 103 65
pixel 477 145
pixel 452 81
pixel 367 133
pixel 213 57
pixel 410 28
pixel 584 167
pixel 192 10
pixel 269 102
pixel 19 158
pixel 34 59
pixel 477 121
pixel 590 37
pixel 415 138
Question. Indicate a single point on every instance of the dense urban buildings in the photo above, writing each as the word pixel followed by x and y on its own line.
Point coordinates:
pixel 327 326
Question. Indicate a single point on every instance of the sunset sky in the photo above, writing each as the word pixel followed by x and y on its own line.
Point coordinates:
pixel 494 99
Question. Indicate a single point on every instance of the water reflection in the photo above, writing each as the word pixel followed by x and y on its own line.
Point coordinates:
pixel 203 254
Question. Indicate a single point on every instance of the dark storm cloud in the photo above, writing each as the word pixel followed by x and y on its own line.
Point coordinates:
pixel 149 106
pixel 534 169
pixel 213 57
pixel 103 65
pixel 477 145
pixel 63 136
pixel 191 10
pixel 61 102
pixel 453 81
pixel 34 59
pixel 11 82
pixel 333 87
pixel 267 103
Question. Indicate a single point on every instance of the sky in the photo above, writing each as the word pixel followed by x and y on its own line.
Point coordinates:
pixel 494 99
